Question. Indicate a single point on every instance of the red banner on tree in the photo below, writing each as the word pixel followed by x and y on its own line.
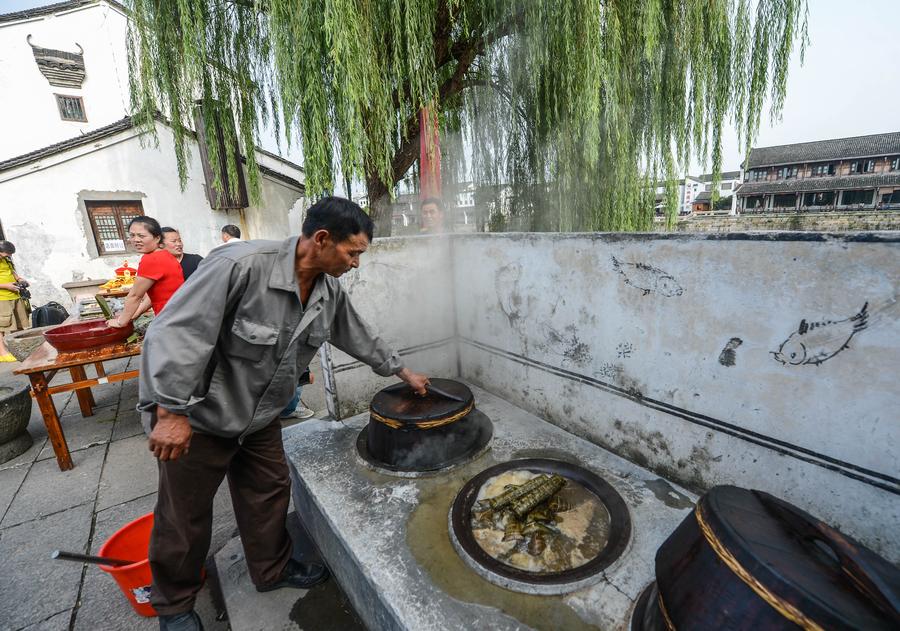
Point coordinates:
pixel 429 154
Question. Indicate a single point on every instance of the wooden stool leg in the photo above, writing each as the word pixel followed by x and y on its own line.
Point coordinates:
pixel 51 421
pixel 85 397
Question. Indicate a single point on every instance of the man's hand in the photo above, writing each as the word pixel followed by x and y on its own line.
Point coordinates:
pixel 171 436
pixel 415 380
pixel 114 323
pixel 10 287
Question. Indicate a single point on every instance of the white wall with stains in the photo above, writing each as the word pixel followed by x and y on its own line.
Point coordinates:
pixel 767 361
pixel 43 212
pixel 404 289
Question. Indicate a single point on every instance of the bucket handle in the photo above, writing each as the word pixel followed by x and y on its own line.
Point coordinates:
pixel 859 565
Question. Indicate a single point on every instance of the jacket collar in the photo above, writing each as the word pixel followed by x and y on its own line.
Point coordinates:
pixel 284 277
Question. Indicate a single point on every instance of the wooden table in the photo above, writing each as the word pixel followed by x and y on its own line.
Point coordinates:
pixel 43 364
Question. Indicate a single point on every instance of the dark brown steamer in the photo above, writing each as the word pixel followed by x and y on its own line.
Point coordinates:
pixel 412 433
pixel 747 560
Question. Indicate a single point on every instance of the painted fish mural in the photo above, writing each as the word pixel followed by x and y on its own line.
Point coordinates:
pixel 815 342
pixel 647 278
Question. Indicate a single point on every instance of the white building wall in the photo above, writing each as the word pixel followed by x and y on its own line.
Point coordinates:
pixel 43 212
pixel 403 289
pixel 28 112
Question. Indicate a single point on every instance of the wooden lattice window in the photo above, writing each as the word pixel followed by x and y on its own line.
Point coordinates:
pixel 71 108
pixel 109 223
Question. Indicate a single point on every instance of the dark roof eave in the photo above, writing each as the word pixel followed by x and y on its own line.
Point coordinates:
pixel 118 127
pixel 830 150
pixel 50 9
pixel 817 160
pixel 817 184
pixel 281 159
pixel 71 143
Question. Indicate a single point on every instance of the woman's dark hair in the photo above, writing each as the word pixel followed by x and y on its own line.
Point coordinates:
pixel 7 248
pixel 232 231
pixel 151 224
pixel 167 229
pixel 341 217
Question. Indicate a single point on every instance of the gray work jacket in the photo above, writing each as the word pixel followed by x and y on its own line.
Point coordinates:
pixel 229 347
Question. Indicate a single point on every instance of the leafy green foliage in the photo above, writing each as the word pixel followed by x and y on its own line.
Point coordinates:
pixel 579 105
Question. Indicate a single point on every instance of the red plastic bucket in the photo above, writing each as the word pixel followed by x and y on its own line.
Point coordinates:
pixel 132 541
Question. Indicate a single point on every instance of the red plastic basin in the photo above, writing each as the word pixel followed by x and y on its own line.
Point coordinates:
pixel 84 335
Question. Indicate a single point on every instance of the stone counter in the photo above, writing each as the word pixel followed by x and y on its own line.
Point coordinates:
pixel 386 538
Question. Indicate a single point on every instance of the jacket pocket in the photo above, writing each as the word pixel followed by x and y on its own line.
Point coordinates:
pixel 251 340
pixel 317 335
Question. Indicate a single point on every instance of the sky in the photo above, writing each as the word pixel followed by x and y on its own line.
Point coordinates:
pixel 849 84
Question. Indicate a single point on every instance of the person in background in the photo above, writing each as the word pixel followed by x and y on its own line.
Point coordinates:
pixel 158 275
pixel 296 409
pixel 230 233
pixel 172 242
pixel 13 308
pixel 432 210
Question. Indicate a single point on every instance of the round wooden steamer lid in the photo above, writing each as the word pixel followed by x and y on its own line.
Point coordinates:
pixel 399 407
pixel 783 551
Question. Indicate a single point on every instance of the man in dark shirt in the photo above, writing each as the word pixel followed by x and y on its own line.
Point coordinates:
pixel 172 242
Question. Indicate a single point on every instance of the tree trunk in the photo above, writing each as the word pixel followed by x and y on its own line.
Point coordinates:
pixel 379 206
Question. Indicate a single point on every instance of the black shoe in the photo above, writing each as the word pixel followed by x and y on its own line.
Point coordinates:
pixel 299 575
pixel 189 621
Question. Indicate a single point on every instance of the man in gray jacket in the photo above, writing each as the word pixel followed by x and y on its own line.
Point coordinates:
pixel 218 365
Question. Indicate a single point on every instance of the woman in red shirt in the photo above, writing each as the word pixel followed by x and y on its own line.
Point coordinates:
pixel 158 275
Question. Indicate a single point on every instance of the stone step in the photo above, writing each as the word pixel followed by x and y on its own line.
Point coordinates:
pixel 322 608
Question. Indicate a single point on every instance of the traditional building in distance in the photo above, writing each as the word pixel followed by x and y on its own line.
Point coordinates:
pixel 725 202
pixel 695 193
pixel 862 172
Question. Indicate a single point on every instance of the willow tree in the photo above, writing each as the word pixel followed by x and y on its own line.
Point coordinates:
pixel 577 105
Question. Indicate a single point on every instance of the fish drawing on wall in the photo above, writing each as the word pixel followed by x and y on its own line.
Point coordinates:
pixel 815 342
pixel 647 278
pixel 509 294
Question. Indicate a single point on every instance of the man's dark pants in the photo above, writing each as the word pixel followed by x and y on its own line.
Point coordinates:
pixel 260 492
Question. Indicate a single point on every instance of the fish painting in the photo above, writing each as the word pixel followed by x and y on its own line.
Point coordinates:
pixel 506 284
pixel 816 342
pixel 648 278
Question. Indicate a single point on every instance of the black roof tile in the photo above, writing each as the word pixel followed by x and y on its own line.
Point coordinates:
pixel 824 150
pixel 726 175
pixel 805 185
pixel 71 143
pixel 118 127
pixel 50 9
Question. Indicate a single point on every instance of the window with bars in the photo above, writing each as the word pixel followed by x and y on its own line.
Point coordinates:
pixel 787 172
pixel 109 224
pixel 821 170
pixel 71 108
pixel 862 166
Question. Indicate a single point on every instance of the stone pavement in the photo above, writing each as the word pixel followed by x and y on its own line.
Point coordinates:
pixel 114 481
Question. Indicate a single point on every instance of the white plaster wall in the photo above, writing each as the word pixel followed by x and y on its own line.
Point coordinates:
pixel 42 207
pixel 28 111
pixel 547 322
pixel 403 288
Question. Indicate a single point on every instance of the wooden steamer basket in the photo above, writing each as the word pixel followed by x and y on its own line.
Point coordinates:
pixel 746 560
pixel 413 433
